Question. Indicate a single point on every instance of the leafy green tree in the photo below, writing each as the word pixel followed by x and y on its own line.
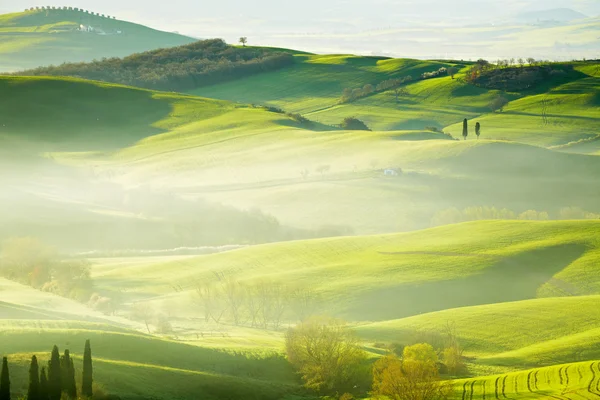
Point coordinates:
pixel 415 377
pixel 478 129
pixel 4 381
pixel 54 376
pixel 243 41
pixel 465 131
pixel 326 354
pixel 33 392
pixel 354 124
pixel 43 385
pixel 86 383
pixel 452 71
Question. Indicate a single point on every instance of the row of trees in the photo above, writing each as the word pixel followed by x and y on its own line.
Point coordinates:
pixel 58 382
pixel 181 68
pixel 258 304
pixel 329 358
pixel 65 8
pixel 505 75
pixel 465 131
pixel 31 262
pixel 349 95
pixel 454 215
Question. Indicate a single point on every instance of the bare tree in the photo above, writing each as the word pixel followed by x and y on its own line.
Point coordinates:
pixel 234 296
pixel 142 312
pixel 303 303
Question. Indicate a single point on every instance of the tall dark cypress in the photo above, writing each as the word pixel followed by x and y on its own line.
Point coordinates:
pixel 54 376
pixel 86 385
pixel 478 129
pixel 33 392
pixel 72 388
pixel 465 132
pixel 65 366
pixel 4 381
pixel 43 385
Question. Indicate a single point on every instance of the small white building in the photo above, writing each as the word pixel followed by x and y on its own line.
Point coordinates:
pixel 392 172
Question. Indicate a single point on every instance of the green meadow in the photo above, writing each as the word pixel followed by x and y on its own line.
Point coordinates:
pixel 178 201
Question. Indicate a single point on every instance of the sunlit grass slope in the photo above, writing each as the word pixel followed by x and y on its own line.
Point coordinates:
pixel 566 113
pixel 534 332
pixel 86 113
pixel 563 113
pixel 43 37
pixel 394 276
pixel 316 82
pixel 566 381
pixel 138 366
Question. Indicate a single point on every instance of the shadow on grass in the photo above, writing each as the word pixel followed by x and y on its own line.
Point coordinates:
pixel 509 279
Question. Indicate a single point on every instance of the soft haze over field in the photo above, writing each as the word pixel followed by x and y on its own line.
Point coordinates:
pixel 235 221
pixel 424 29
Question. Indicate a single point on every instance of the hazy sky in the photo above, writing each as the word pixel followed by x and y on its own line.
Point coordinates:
pixel 317 25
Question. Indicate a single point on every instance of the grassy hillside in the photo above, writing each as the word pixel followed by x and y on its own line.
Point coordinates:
pixel 559 114
pixel 130 364
pixel 470 264
pixel 567 381
pixel 43 37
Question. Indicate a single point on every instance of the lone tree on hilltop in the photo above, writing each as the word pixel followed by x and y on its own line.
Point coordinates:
pixel 54 376
pixel 244 41
pixel 4 381
pixel 33 392
pixel 465 132
pixel 86 382
pixel 478 129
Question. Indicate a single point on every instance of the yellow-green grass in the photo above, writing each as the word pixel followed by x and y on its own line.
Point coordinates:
pixel 566 113
pixel 567 381
pixel 35 38
pixel 509 334
pixel 316 82
pixel 434 102
pixel 133 365
pixel 393 276
pixel 85 113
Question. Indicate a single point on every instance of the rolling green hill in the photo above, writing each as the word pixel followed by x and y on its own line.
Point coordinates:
pixel 566 112
pixel 437 269
pixel 43 37
pixel 130 364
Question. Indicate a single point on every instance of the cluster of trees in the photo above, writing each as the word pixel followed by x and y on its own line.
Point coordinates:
pixel 181 68
pixel 435 74
pixel 260 304
pixel 59 381
pixel 465 130
pixel 349 95
pixel 66 8
pixel 301 119
pixel 329 358
pixel 508 76
pixel 31 262
pixel 454 215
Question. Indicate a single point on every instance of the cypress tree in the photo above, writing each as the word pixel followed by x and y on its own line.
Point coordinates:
pixel 86 385
pixel 478 129
pixel 465 132
pixel 4 381
pixel 33 392
pixel 43 385
pixel 72 389
pixel 54 376
pixel 65 365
